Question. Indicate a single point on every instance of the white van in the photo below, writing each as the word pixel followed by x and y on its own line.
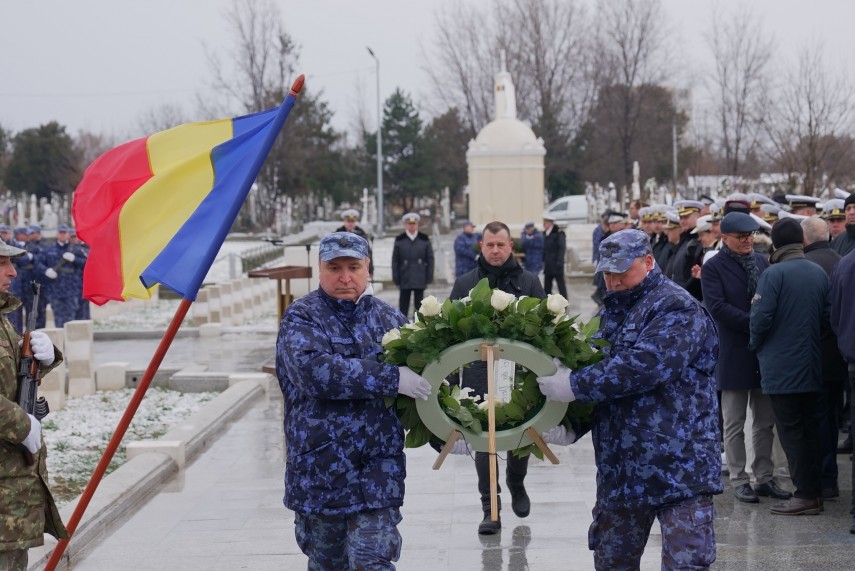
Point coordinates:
pixel 568 210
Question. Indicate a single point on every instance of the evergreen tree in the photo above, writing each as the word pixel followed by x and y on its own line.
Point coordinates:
pixel 43 162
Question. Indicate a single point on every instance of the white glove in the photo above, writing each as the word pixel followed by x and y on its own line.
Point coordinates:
pixel 68 257
pixel 461 447
pixel 412 384
pixel 557 386
pixel 559 436
pixel 33 441
pixel 29 256
pixel 42 347
pixel 51 273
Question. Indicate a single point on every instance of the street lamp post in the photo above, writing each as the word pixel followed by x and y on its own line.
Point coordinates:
pixel 380 228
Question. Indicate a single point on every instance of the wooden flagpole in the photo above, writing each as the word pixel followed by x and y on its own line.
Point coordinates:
pixel 121 429
pixel 488 353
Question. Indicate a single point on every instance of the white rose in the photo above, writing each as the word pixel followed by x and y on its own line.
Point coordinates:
pixel 556 303
pixel 500 300
pixel 465 393
pixel 390 336
pixel 430 306
pixel 484 404
pixel 466 299
pixel 416 326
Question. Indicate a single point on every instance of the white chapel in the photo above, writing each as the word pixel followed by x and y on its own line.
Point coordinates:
pixel 506 174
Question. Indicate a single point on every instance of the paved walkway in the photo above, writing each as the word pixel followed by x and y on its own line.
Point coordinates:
pixel 225 511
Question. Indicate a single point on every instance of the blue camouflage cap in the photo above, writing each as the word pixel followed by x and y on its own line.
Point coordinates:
pixel 35 228
pixel 343 245
pixel 63 228
pixel 22 230
pixel 5 227
pixel 618 251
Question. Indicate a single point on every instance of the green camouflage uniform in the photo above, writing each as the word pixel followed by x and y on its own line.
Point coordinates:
pixel 26 505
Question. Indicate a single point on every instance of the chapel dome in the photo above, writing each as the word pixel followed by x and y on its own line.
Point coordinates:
pixel 506 135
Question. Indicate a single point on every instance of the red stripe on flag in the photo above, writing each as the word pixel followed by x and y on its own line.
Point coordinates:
pixel 107 184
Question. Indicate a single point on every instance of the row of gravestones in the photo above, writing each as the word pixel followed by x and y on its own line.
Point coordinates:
pixel 230 303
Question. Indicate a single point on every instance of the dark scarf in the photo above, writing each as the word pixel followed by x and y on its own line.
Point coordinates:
pixel 493 273
pixel 787 252
pixel 748 265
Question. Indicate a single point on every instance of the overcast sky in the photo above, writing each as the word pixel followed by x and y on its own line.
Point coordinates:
pixel 100 65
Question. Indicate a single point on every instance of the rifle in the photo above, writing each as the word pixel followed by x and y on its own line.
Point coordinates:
pixel 29 375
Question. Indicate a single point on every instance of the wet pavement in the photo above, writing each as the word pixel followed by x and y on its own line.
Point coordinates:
pixel 225 511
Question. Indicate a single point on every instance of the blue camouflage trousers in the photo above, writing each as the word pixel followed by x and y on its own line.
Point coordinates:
pixel 618 535
pixel 357 542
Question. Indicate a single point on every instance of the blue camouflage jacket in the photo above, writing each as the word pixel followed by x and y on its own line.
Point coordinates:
pixel 345 447
pixel 655 426
pixel 465 255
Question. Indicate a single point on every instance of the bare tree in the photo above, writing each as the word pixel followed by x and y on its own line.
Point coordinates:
pixel 742 54
pixel 462 64
pixel 262 60
pixel 89 146
pixel 548 53
pixel 550 58
pixel 630 57
pixel 809 119
pixel 160 118
pixel 256 76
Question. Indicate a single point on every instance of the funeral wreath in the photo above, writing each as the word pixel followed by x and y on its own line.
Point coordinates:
pixel 535 328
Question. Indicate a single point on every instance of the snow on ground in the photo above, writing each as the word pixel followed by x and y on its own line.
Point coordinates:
pixel 157 313
pixel 77 436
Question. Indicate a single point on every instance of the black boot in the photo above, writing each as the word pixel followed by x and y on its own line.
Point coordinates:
pixel 514 478
pixel 482 467
pixel 488 526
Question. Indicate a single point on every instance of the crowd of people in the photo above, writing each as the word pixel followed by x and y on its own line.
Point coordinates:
pixel 56 266
pixel 709 309
pixel 764 269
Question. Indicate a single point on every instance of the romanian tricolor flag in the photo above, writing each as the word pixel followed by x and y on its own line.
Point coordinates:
pixel 157 210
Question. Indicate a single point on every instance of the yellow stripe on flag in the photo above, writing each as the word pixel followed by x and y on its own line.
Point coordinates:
pixel 183 175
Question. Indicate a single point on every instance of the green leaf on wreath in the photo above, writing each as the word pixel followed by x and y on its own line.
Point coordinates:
pixel 396 344
pixel 482 292
pixel 526 304
pixel 551 349
pixel 451 402
pixel 591 327
pixel 501 415
pixel 465 325
pixel 418 436
pixel 416 361
pixel 514 411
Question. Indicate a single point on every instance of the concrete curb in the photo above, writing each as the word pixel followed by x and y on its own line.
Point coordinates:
pixel 152 464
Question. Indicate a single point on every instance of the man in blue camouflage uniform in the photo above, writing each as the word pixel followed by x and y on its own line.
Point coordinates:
pixel 21 289
pixel 655 426
pixel 345 464
pixel 532 246
pixel 465 249
pixel 36 248
pixel 81 251
pixel 59 264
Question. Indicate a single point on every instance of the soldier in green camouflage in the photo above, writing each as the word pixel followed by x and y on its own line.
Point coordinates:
pixel 27 509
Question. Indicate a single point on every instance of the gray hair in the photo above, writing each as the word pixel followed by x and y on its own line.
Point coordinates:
pixel 815 229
